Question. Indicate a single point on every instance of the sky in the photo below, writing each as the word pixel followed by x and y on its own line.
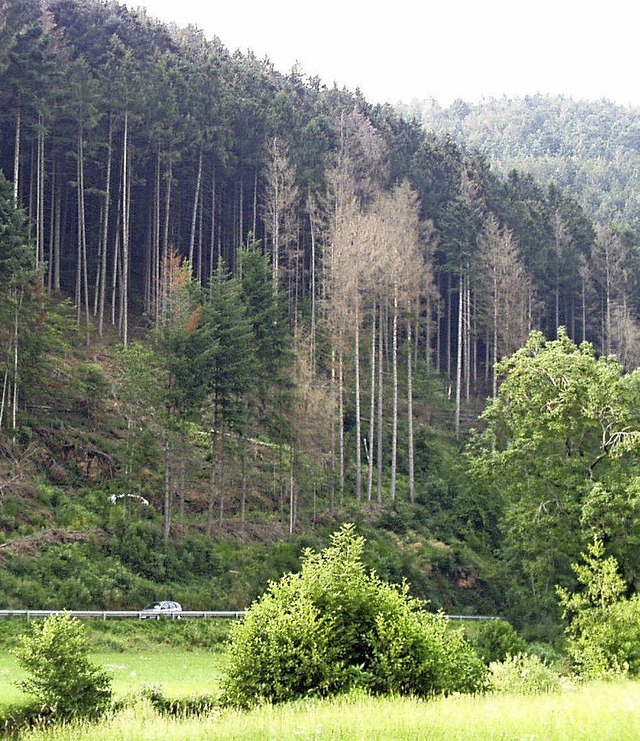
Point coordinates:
pixel 405 50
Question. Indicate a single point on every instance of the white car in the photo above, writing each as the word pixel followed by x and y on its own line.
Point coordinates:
pixel 157 610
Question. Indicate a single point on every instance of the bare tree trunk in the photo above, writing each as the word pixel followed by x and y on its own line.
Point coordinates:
pixel 380 402
pixel 394 360
pixel 372 407
pixel 332 491
pixel 358 414
pixel 16 157
pixel 212 246
pixel 312 230
pixel 194 212
pixel 82 278
pixel 292 494
pixel 412 482
pixel 494 375
pixel 40 167
pixel 105 233
pixel 341 421
pixel 126 205
pixel 459 356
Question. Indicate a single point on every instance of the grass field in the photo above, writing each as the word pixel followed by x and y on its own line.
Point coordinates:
pixel 596 712
pixel 149 656
pixel 180 673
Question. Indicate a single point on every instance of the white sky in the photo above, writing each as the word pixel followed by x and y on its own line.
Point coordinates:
pixel 408 49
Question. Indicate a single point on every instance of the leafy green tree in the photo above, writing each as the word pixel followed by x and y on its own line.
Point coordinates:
pixel 559 450
pixel 61 676
pixel 333 626
pixel 603 625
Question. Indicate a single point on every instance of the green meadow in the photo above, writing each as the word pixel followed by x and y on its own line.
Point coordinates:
pixel 180 673
pixel 187 661
pixel 593 712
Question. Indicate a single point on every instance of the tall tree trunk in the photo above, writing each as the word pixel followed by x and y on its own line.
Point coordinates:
pixel 358 413
pixel 372 407
pixel 334 397
pixel 312 265
pixel 194 211
pixel 380 457
pixel 105 232
pixel 16 157
pixel 494 374
pixel 40 225
pixel 412 482
pixel 459 356
pixel 341 421
pixel 126 205
pixel 394 360
pixel 82 277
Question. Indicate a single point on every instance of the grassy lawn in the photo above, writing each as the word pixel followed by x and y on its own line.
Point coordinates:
pixel 605 712
pixel 180 673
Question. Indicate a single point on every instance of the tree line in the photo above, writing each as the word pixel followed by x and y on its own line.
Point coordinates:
pixel 273 233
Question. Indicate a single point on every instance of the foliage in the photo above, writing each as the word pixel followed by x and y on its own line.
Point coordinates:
pixel 590 147
pixel 333 626
pixel 61 675
pixel 522 674
pixel 562 428
pixel 603 625
pixel 496 640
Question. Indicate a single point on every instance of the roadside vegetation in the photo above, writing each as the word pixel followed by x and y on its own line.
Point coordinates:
pixel 334 638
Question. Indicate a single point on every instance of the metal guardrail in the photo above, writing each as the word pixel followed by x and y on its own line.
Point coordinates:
pixel 149 614
pixel 121 614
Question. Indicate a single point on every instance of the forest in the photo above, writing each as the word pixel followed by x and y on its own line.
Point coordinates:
pixel 238 306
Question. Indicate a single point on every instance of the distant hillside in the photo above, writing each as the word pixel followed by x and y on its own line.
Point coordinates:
pixel 591 147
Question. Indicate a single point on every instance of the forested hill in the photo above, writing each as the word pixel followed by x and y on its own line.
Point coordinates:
pixel 590 147
pixel 236 299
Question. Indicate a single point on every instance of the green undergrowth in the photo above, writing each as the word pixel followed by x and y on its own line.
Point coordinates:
pixel 603 711
pixel 136 636
pixel 127 566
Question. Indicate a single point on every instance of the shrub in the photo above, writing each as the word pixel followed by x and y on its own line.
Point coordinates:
pixel 496 640
pixel 55 655
pixel 524 675
pixel 333 626
pixel 603 625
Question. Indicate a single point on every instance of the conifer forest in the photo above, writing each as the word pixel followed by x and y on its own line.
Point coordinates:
pixel 239 306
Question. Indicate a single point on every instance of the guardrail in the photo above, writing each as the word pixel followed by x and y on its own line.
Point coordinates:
pixel 122 614
pixel 150 614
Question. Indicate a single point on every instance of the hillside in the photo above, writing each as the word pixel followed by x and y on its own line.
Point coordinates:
pixel 592 148
pixel 238 308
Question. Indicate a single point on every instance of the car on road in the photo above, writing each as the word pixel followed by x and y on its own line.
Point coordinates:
pixel 166 608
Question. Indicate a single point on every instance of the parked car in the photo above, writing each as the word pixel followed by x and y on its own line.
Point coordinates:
pixel 166 608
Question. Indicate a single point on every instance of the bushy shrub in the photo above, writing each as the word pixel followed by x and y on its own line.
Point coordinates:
pixel 61 676
pixel 334 626
pixel 496 640
pixel 417 653
pixel 603 625
pixel 524 675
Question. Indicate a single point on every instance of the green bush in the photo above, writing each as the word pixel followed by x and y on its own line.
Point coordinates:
pixel 333 626
pixel 55 655
pixel 496 640
pixel 603 625
pixel 524 675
